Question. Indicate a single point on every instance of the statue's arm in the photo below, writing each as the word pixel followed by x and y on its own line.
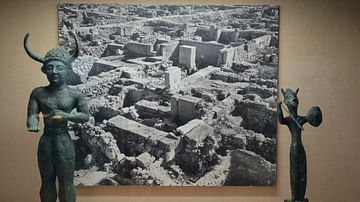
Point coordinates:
pixel 82 110
pixel 303 120
pixel 33 113
pixel 280 114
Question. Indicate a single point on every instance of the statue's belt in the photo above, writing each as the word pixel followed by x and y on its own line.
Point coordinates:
pixel 55 131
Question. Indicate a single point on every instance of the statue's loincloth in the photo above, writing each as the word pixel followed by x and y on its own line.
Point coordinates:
pixel 56 144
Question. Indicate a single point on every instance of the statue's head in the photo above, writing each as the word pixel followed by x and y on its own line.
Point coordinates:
pixel 290 98
pixel 57 61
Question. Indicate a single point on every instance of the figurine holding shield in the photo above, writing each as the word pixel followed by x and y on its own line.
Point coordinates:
pixel 298 177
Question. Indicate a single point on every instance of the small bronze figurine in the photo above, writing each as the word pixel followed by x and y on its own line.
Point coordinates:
pixel 56 153
pixel 297 152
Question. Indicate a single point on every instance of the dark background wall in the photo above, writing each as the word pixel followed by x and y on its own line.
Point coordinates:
pixel 319 53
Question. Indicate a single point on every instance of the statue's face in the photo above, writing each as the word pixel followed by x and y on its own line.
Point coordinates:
pixel 291 100
pixel 55 71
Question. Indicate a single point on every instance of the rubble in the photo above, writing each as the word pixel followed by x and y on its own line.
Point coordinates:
pixel 198 148
pixel 81 67
pixel 218 175
pixel 97 86
pixel 257 115
pixel 152 109
pixel 248 168
pixel 155 174
pixel 135 138
pixel 90 178
pixel 102 145
pixel 226 106
pixel 228 77
pixel 113 49
pixel 179 95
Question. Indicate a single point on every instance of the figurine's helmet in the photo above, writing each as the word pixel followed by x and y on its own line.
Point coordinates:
pixel 290 98
pixel 58 53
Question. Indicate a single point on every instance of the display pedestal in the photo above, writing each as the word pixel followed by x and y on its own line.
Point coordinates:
pixel 290 200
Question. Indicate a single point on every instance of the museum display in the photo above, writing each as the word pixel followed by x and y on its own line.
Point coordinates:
pixel 295 122
pixel 58 105
pixel 179 95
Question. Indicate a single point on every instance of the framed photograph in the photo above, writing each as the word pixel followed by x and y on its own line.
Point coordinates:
pixel 180 95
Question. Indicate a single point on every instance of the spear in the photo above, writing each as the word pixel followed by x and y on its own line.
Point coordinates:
pixel 291 116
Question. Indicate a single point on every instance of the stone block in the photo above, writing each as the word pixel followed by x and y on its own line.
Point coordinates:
pixel 136 49
pixel 198 134
pixel 139 83
pixel 257 115
pixel 169 143
pixel 144 160
pixel 187 107
pixel 226 106
pixel 184 129
pixel 152 109
pixel 174 105
pixel 113 49
pixel 187 56
pixel 131 73
pixel 173 78
pixel 102 66
pixel 134 138
pixel 249 168
pixel 199 76
pixel 133 113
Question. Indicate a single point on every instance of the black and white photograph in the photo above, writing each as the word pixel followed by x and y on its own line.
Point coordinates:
pixel 179 95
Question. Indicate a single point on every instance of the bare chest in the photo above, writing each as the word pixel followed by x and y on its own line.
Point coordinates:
pixel 57 100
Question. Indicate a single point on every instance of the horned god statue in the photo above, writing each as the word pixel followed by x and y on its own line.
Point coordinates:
pixel 295 122
pixel 58 104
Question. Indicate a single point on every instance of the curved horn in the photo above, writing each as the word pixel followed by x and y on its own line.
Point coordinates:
pixel 28 51
pixel 77 49
pixel 283 92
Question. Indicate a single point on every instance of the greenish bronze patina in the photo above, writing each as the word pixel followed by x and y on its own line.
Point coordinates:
pixel 56 102
pixel 297 152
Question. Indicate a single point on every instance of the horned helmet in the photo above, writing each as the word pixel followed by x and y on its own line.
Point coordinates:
pixel 290 98
pixel 59 53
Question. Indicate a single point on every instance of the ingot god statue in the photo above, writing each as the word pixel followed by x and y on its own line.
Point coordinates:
pixel 58 104
pixel 295 122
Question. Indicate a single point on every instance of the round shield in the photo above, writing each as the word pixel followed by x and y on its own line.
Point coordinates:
pixel 314 116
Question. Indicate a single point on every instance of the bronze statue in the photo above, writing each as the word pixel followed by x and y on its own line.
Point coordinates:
pixel 56 102
pixel 297 152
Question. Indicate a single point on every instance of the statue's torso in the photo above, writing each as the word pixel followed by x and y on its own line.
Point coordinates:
pixel 295 129
pixel 50 100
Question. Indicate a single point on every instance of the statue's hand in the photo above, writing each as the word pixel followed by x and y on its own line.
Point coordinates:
pixel 34 129
pixel 59 115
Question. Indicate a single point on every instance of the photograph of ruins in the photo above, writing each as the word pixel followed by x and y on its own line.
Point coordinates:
pixel 180 95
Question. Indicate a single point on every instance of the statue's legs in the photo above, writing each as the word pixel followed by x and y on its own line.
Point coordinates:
pixel 65 166
pixel 298 171
pixel 65 173
pixel 56 156
pixel 47 170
